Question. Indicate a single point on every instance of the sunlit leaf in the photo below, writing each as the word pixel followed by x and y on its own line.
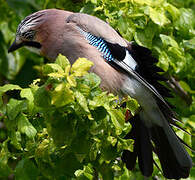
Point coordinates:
pixel 186 87
pixel 168 41
pixel 62 95
pixel 81 100
pixel 62 61
pixel 158 16
pixel 81 66
pixel 27 93
pixel 52 68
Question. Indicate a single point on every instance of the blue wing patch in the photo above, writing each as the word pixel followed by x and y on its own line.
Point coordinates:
pixel 99 43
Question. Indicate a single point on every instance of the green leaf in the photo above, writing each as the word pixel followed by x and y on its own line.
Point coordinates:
pixel 5 88
pixel 64 167
pixel 5 170
pixel 81 67
pixel 185 24
pixel 16 139
pixel 158 16
pixel 93 151
pixel 144 37
pixel 163 61
pixel 71 80
pixel 14 107
pixel 26 170
pixel 63 62
pixel 122 25
pixel 141 39
pixel 27 93
pixel 191 121
pixel 92 80
pixel 85 174
pixel 24 126
pixel 81 146
pixel 88 83
pixel 82 101
pixel 141 2
pixel 11 63
pixel 52 68
pixel 62 95
pixel 132 105
pixel 42 149
pixel 9 87
pixel 189 44
pixel 118 119
pixel 178 60
pixel 126 144
pixel 168 41
pixel 56 75
pixel 186 87
pixel 175 13
pixel 61 127
pixel 99 100
pixel 42 97
pixel 106 171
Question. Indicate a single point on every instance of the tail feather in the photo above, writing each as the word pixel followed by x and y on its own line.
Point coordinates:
pixel 174 164
pixel 145 158
pixel 179 151
pixel 142 148
pixel 172 169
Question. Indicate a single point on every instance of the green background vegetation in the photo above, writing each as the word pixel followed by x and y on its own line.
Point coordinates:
pixel 56 123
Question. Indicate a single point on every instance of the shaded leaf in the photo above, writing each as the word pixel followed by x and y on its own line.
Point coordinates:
pixel 26 170
pixel 5 170
pixel 24 126
pixel 14 107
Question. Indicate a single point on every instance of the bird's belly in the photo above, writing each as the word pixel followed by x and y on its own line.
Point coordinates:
pixel 146 100
pixel 138 91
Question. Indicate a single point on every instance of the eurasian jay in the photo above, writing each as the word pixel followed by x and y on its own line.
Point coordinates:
pixel 125 69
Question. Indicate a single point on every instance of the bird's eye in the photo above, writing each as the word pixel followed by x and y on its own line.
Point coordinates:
pixel 29 35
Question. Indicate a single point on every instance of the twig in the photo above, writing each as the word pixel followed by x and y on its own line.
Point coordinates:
pixel 95 177
pixel 174 84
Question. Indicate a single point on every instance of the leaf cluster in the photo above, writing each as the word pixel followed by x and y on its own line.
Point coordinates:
pixel 63 125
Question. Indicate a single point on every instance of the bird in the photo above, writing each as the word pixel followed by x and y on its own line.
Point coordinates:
pixel 125 68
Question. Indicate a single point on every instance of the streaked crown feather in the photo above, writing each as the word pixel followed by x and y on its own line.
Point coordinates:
pixel 30 21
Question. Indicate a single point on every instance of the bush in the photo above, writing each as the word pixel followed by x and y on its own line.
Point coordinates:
pixel 55 122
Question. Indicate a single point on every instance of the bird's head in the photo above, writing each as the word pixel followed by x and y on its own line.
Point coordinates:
pixel 38 28
pixel 27 32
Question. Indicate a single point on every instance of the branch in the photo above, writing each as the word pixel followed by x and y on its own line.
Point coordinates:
pixel 174 84
pixel 95 177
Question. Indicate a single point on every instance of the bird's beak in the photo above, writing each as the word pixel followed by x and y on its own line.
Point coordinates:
pixel 15 45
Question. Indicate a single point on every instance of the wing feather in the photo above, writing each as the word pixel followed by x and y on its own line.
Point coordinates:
pixel 135 75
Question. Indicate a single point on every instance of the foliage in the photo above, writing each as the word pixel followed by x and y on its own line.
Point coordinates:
pixel 63 125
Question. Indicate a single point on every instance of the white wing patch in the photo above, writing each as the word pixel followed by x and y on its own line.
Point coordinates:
pixel 130 61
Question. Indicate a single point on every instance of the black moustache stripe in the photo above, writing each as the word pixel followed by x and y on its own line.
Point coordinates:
pixel 32 44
